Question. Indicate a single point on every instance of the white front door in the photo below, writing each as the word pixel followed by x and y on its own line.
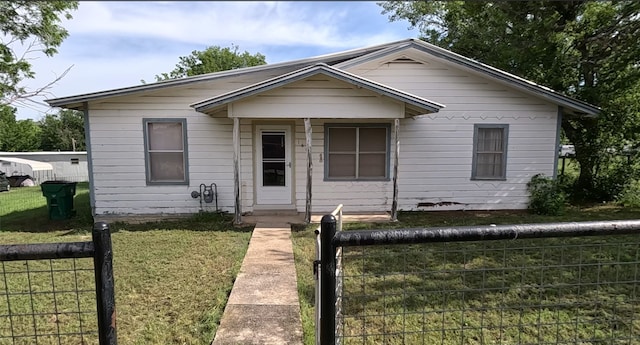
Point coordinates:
pixel 273 165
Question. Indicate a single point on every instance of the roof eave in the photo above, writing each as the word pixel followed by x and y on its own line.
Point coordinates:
pixel 543 91
pixel 222 100
pixel 580 107
pixel 327 58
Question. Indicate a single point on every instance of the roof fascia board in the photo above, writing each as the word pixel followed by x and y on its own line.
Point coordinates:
pixel 508 77
pixel 353 79
pixel 327 58
pixel 474 65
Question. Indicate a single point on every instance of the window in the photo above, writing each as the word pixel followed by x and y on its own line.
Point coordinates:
pixel 165 145
pixel 75 161
pixel 357 152
pixel 490 152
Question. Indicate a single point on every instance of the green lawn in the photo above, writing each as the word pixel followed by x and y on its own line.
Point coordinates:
pixel 395 290
pixel 25 209
pixel 172 278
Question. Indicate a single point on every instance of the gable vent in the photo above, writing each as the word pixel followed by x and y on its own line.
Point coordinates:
pixel 405 60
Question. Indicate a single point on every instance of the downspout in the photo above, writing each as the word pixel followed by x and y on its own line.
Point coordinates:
pixel 87 140
pixel 558 131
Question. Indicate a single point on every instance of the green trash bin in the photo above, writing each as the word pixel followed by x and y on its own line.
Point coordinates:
pixel 59 196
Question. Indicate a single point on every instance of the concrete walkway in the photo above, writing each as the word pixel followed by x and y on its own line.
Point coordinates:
pixel 263 307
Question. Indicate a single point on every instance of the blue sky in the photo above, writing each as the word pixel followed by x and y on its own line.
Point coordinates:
pixel 117 44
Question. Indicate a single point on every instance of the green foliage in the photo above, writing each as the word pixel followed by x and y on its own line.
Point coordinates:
pixel 212 59
pixel 630 196
pixel 585 49
pixel 17 136
pixel 63 131
pixel 545 196
pixel 34 24
pixel 56 132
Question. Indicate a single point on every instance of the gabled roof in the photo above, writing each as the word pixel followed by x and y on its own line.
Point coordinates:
pixel 413 101
pixel 492 72
pixel 329 59
pixel 342 60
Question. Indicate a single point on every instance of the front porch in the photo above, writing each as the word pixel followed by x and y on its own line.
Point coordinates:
pixel 318 127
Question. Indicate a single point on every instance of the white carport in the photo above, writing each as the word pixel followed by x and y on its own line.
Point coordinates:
pixel 39 171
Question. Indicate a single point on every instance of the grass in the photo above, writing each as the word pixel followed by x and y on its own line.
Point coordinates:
pixel 402 290
pixel 25 209
pixel 172 278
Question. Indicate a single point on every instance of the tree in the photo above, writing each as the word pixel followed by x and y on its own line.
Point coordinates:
pixel 212 59
pixel 7 119
pixel 63 131
pixel 17 136
pixel 585 49
pixel 34 27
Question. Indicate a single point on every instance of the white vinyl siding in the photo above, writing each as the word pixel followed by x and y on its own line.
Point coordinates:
pixel 318 97
pixel 165 147
pixel 436 150
pixel 490 152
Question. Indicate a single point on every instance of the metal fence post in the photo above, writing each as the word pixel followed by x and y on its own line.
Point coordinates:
pixel 105 295
pixel 328 281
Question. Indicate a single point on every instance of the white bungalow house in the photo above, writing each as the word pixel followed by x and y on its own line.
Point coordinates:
pixel 398 126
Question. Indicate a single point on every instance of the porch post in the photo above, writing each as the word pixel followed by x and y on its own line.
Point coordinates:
pixel 237 219
pixel 394 204
pixel 307 135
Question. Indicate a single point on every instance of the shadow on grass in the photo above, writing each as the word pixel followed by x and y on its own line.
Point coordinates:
pixel 206 221
pixel 37 219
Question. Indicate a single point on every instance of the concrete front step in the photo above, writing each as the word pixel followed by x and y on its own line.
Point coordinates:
pixel 276 212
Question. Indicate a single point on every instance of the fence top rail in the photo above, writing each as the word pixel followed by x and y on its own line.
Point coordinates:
pixel 44 251
pixel 484 232
pixel 337 210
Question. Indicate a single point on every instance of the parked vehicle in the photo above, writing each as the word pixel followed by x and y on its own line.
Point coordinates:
pixel 4 182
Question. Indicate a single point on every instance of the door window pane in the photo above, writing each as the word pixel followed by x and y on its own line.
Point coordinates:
pixel 273 174
pixel 273 146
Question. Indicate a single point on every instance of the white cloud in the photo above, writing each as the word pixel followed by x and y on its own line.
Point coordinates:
pixel 269 23
pixel 116 44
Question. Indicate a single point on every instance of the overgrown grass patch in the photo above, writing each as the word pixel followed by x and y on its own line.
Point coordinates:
pixel 172 279
pixel 386 277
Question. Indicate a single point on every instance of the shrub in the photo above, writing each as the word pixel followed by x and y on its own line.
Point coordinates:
pixel 545 196
pixel 630 195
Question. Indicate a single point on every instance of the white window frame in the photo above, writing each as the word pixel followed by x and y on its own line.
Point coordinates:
pixel 505 141
pixel 185 156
